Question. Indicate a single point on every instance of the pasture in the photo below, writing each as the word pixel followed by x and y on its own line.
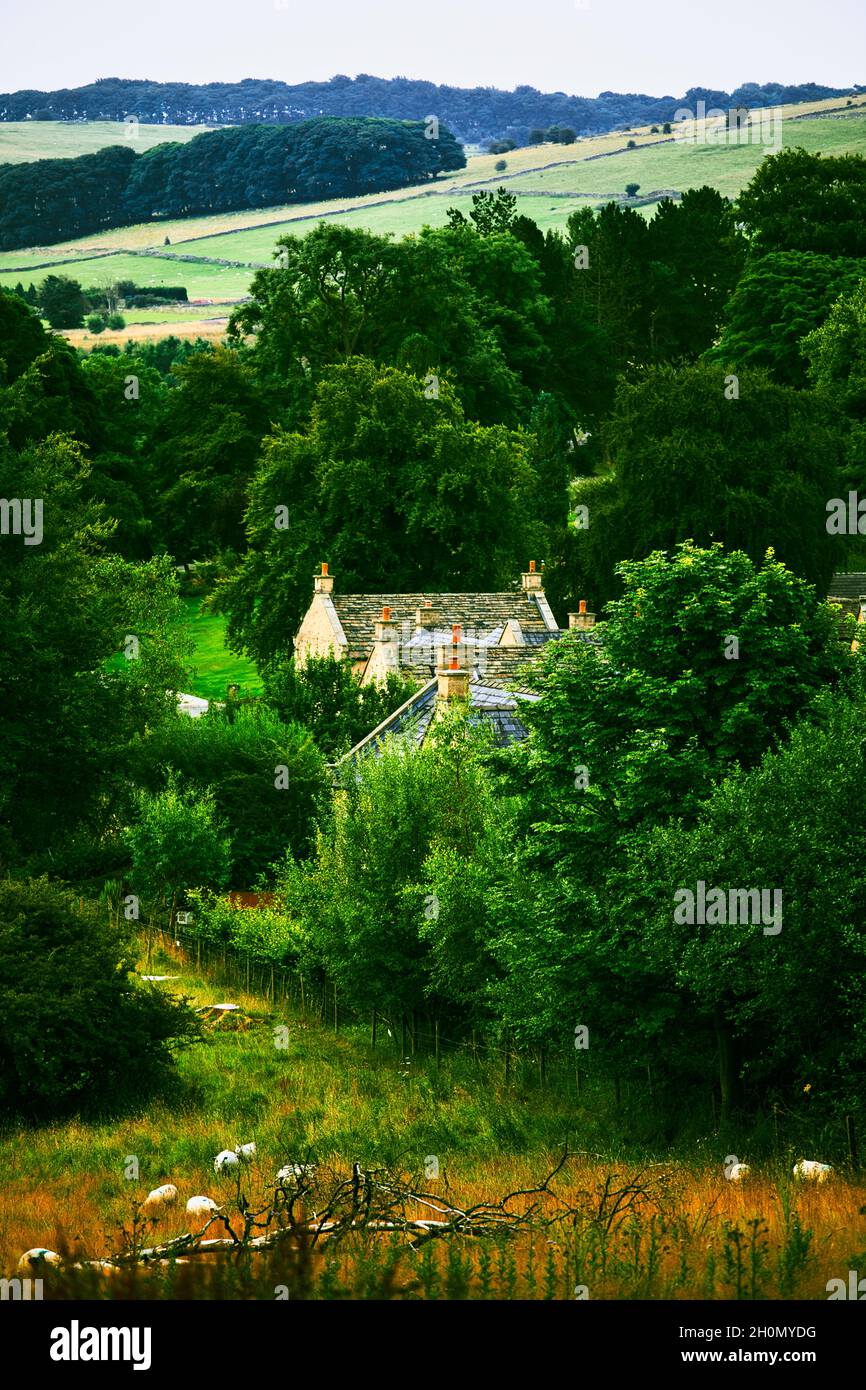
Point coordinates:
pixel 615 1222
pixel 21 141
pixel 550 181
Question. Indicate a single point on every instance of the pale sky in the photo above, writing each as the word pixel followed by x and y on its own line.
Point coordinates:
pixel 577 46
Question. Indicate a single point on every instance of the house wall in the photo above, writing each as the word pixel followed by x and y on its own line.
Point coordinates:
pixel 321 631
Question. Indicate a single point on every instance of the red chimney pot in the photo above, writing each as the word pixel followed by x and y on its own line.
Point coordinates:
pixel 386 615
pixel 581 608
pixel 532 567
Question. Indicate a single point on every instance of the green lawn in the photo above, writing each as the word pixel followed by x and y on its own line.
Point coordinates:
pixel 21 141
pixel 213 666
pixel 201 281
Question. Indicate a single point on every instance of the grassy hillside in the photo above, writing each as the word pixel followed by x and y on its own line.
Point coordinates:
pixel 549 180
pixel 684 1232
pixel 214 667
pixel 21 141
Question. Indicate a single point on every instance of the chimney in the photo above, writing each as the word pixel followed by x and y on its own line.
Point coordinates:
pixel 386 627
pixel 581 621
pixel 453 679
pixel 323 583
pixel 531 580
pixel 427 615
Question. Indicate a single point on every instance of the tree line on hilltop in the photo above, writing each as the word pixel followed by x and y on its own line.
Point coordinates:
pixel 244 166
pixel 475 114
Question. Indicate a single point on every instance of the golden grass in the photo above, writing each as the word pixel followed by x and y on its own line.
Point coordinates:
pixel 685 1233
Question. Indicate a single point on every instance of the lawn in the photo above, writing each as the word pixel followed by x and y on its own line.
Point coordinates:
pixel 213 666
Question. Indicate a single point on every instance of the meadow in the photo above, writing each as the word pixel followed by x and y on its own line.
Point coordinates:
pixel 21 141
pixel 614 1222
pixel 213 666
pixel 551 181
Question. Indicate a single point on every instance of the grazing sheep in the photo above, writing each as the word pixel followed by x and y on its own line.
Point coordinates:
pixel 808 1170
pixel 226 1158
pixel 246 1152
pixel 738 1172
pixel 160 1197
pixel 201 1208
pixel 36 1259
pixel 295 1172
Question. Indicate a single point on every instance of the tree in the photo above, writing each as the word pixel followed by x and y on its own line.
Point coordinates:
pixel 77 1033
pixel 683 460
pixel 799 201
pixel 765 992
pixel 62 301
pixel 326 697
pixel 175 843
pixel 90 651
pixel 95 323
pixel 266 779
pixel 781 298
pixel 627 742
pixel 631 190
pixel 205 442
pixel 836 356
pixel 395 486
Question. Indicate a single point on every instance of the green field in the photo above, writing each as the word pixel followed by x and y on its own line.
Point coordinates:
pixel 551 181
pixel 201 281
pixel 213 666
pixel 21 141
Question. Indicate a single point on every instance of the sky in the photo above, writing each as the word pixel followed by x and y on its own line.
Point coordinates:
pixel 577 46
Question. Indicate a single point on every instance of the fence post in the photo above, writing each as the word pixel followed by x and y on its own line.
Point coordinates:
pixel 852 1140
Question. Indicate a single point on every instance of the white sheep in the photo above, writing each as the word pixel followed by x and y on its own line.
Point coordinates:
pixel 226 1158
pixel 246 1152
pixel 295 1172
pixel 738 1172
pixel 36 1259
pixel 201 1208
pixel 808 1170
pixel 159 1198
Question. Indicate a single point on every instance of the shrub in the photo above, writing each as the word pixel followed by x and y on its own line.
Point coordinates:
pixel 116 321
pixel 500 165
pixel 76 1032
pixel 95 323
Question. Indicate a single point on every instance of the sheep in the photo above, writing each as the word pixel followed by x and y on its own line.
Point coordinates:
pixel 201 1208
pixel 809 1170
pixel 738 1172
pixel 246 1152
pixel 226 1158
pixel 296 1172
pixel 160 1197
pixel 36 1259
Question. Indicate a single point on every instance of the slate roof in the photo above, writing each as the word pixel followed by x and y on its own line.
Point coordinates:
pixel 491 704
pixel 847 585
pixel 358 614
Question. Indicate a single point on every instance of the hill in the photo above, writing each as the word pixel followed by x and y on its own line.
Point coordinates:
pixel 215 256
pixel 474 114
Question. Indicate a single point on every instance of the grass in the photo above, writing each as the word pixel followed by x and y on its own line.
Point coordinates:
pixel 679 1231
pixel 21 141
pixel 214 667
pixel 201 281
